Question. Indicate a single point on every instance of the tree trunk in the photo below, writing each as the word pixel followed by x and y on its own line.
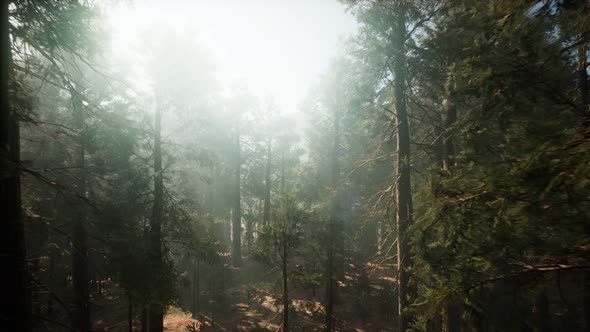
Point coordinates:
pixel 332 286
pixel 156 311
pixel 543 313
pixel 16 299
pixel 449 146
pixel 583 77
pixel 145 320
pixel 237 215
pixel 249 233
pixel 282 189
pixel 130 314
pixel 266 218
pixel 585 96
pixel 438 144
pixel 584 90
pixel 403 195
pixel 450 317
pixel 330 282
pixel 81 314
pixel 451 311
pixel 285 288
pixel 195 288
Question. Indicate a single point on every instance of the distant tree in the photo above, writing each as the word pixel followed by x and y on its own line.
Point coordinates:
pixel 278 245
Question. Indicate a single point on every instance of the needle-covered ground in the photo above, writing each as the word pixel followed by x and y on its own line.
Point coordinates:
pixel 256 305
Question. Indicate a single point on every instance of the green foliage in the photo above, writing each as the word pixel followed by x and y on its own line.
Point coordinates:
pixel 285 230
pixel 500 141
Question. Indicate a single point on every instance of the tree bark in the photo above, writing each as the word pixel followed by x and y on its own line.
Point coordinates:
pixel 15 302
pixel 584 90
pixel 583 77
pixel 403 194
pixel 237 215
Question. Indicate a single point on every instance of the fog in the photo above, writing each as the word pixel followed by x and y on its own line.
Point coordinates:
pixel 294 165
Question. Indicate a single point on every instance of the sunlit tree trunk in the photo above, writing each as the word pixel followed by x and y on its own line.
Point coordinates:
pixel 403 194
pixel 15 300
pixel 266 217
pixel 81 314
pixel 156 311
pixel 237 213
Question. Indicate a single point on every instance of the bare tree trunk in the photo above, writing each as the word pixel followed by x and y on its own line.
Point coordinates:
pixel 285 287
pixel 237 215
pixel 15 302
pixel 156 311
pixel 403 195
pixel 266 218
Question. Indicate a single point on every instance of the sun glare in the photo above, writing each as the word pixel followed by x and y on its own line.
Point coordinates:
pixel 275 48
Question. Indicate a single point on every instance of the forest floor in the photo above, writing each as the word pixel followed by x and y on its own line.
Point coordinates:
pixel 254 298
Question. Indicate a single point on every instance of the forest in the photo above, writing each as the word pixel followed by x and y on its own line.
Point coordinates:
pixel 432 174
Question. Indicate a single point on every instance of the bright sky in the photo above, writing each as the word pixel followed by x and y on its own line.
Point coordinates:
pixel 276 47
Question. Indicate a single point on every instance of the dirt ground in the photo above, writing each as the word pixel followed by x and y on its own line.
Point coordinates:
pixel 259 312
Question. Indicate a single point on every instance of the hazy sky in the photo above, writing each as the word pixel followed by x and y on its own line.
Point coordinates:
pixel 276 47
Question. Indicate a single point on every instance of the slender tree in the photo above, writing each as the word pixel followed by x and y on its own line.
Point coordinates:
pixel 334 222
pixel 156 310
pixel 267 184
pixel 81 314
pixel 237 204
pixel 403 190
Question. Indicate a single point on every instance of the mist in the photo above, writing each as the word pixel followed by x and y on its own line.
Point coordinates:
pixel 310 165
